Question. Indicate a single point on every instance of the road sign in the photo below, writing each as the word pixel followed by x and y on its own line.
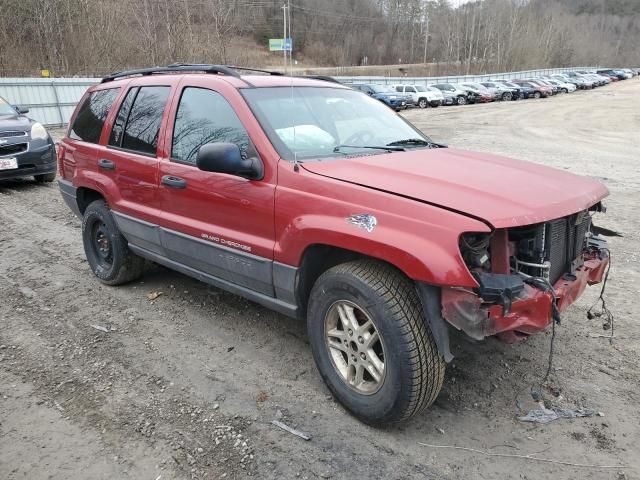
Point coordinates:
pixel 279 44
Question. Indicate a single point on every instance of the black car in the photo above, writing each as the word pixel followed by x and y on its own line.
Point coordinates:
pixel 26 148
pixel 535 91
pixel 612 73
pixel 384 93
pixel 524 90
pixel 505 92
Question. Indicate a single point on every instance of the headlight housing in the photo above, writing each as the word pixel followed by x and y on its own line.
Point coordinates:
pixel 474 248
pixel 38 132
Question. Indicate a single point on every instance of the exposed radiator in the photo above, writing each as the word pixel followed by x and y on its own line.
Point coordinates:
pixel 565 242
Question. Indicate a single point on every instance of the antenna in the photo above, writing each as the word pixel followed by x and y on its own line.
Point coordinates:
pixel 287 35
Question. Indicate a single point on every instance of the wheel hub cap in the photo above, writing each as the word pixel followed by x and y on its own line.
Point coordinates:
pixel 101 243
pixel 355 347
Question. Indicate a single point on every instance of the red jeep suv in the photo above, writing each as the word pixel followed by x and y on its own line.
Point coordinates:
pixel 319 202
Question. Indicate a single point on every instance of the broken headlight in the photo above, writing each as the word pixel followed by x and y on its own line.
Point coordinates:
pixel 474 248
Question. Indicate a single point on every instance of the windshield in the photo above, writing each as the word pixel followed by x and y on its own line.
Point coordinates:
pixel 420 88
pixel 509 84
pixel 320 123
pixel 5 108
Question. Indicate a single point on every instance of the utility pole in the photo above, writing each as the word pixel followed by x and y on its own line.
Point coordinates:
pixel 290 36
pixel 426 38
pixel 284 35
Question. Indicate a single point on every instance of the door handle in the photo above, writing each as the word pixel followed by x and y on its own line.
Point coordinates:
pixel 106 164
pixel 174 182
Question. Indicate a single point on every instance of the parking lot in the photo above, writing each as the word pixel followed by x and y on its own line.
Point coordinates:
pixel 170 378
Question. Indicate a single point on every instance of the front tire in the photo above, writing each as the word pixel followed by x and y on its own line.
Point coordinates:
pixel 422 103
pixel 507 96
pixel 371 342
pixel 462 100
pixel 106 249
pixel 536 95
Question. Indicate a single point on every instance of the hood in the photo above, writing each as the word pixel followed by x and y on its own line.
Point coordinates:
pixel 501 191
pixel 15 122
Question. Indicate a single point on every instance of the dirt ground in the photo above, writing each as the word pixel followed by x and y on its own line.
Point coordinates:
pixel 186 385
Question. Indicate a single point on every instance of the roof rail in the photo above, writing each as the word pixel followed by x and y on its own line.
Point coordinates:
pixel 324 78
pixel 270 72
pixel 175 67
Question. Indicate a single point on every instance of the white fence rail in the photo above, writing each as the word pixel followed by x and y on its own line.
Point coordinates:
pixel 51 101
pixel 461 78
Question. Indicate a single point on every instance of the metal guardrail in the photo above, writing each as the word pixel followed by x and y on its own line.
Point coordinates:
pixel 51 101
pixel 459 78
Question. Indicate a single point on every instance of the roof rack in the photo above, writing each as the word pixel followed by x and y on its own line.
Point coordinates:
pixel 325 78
pixel 175 67
pixel 269 72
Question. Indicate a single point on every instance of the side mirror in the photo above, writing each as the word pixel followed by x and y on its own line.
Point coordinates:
pixel 21 110
pixel 226 158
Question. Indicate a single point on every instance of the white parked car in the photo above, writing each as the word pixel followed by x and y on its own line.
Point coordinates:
pixel 422 96
pixel 564 87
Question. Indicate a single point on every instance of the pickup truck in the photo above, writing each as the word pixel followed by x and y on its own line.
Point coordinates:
pixel 319 202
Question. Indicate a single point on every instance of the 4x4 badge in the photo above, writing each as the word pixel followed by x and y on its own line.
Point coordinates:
pixel 363 220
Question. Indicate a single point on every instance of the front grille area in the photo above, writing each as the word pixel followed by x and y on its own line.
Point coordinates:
pixel 12 134
pixel 12 149
pixel 566 239
pixel 556 248
pixel 557 244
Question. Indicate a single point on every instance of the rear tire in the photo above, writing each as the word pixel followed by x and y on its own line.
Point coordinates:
pixel 45 177
pixel 536 95
pixel 422 103
pixel 507 96
pixel 461 100
pixel 106 249
pixel 400 372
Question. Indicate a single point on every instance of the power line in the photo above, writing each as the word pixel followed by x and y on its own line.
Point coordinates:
pixel 328 13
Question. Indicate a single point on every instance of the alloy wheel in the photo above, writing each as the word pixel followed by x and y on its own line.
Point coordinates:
pixel 355 347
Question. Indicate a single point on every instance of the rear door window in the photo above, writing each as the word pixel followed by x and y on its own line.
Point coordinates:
pixel 92 114
pixel 143 123
pixel 205 116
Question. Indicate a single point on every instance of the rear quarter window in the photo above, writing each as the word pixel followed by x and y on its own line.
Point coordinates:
pixel 144 119
pixel 89 121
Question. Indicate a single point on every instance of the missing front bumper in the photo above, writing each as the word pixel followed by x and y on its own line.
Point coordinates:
pixel 529 312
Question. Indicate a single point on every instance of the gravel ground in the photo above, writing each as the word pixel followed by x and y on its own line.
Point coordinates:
pixel 186 385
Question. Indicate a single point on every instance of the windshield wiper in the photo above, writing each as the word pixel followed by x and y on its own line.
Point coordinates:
pixel 416 141
pixel 388 148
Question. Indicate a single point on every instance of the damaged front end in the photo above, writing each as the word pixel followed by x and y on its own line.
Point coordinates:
pixel 525 275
